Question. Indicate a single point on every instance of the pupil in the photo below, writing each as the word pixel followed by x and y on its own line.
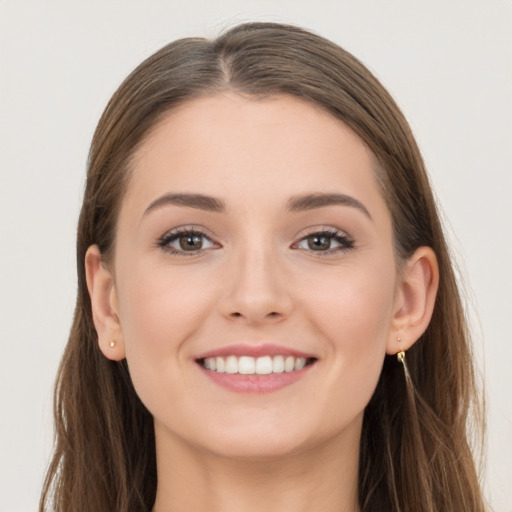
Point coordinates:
pixel 318 243
pixel 190 242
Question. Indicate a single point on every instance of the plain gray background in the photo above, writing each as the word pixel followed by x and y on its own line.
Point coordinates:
pixel 448 63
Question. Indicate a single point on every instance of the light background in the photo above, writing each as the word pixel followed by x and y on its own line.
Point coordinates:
pixel 447 62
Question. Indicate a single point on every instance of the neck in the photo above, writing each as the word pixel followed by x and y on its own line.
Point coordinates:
pixel 324 478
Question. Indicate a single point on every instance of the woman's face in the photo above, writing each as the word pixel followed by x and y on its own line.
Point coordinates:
pixel 253 234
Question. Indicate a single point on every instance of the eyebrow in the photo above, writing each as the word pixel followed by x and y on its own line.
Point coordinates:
pixel 199 201
pixel 319 200
pixel 295 204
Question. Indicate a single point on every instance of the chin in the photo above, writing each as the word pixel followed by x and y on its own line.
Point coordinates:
pixel 268 437
pixel 262 448
pixel 257 437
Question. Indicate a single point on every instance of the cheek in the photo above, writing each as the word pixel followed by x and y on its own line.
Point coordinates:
pixel 160 313
pixel 354 307
pixel 352 314
pixel 160 309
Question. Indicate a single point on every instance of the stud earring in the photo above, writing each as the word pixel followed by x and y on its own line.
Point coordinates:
pixel 112 344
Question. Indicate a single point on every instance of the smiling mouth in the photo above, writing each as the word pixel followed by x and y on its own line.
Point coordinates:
pixel 247 365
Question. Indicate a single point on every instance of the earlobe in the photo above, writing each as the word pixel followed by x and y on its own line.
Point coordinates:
pixel 100 284
pixel 415 300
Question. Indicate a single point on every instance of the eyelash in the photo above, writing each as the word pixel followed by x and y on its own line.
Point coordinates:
pixel 169 237
pixel 346 243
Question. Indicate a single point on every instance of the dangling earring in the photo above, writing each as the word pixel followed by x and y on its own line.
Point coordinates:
pixel 112 344
pixel 400 355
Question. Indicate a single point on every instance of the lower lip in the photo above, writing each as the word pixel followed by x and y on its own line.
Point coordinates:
pixel 255 383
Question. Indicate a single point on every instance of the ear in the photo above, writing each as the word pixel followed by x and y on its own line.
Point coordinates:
pixel 100 284
pixel 414 301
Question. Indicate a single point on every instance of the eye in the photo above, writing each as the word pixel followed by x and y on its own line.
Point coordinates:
pixel 325 241
pixel 182 241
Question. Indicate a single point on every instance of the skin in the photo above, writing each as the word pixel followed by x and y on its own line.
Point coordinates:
pixel 257 280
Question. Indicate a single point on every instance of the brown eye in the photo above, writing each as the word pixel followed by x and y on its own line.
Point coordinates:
pixel 325 242
pixel 319 242
pixel 186 241
pixel 191 242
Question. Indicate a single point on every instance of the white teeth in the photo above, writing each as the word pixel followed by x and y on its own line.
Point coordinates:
pixel 247 365
pixel 264 365
pixel 278 364
pixel 210 363
pixel 231 364
pixel 289 364
pixel 300 362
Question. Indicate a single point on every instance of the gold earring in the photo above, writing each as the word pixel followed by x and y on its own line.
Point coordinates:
pixel 112 344
pixel 400 355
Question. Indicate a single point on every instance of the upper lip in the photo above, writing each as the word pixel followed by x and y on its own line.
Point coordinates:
pixel 260 350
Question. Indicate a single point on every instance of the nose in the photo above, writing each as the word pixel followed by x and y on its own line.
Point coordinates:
pixel 256 291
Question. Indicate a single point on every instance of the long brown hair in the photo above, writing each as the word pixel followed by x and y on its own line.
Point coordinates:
pixel 414 454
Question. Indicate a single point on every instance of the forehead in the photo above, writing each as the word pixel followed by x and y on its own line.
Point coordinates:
pixel 251 150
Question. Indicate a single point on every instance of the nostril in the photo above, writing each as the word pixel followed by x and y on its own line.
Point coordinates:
pixel 272 314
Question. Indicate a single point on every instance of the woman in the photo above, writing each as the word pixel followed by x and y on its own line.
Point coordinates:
pixel 267 314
